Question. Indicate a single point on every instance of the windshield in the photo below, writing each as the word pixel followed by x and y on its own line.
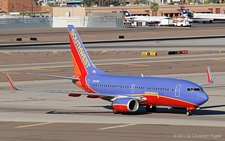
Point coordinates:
pixel 194 89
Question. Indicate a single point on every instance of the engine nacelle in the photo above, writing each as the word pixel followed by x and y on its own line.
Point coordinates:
pixel 125 105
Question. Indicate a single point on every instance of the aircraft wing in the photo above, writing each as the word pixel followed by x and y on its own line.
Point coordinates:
pixel 75 93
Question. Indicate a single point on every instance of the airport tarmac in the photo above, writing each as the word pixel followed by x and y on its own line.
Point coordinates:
pixel 32 115
pixel 128 63
pixel 49 131
pixel 90 34
pixel 103 132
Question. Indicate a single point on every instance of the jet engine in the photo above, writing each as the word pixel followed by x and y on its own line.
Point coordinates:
pixel 125 105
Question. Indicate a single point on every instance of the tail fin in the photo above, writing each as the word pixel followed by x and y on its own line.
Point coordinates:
pixel 81 61
pixel 126 13
pixel 183 9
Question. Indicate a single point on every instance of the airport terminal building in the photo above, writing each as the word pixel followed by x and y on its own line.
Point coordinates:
pixel 173 11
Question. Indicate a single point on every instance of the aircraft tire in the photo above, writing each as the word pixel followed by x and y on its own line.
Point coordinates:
pixel 188 113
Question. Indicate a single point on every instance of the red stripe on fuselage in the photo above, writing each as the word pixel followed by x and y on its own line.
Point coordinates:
pixel 165 101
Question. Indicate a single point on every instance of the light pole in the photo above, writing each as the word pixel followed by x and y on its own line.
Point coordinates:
pixel 14 5
pixel 23 11
pixel 32 8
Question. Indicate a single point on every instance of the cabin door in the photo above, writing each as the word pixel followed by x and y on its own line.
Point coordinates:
pixel 132 88
pixel 177 90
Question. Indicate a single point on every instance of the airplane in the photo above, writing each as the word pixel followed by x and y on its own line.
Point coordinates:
pixel 150 19
pixel 126 93
pixel 201 17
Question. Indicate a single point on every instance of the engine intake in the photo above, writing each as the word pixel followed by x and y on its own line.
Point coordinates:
pixel 125 105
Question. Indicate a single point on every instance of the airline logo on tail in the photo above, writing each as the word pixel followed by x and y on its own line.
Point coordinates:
pixel 185 13
pixel 126 13
pixel 183 9
pixel 80 49
pixel 81 61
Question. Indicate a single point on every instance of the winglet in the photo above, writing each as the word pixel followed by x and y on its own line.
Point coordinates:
pixel 209 75
pixel 11 82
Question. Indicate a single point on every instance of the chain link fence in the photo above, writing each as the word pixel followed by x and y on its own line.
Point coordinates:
pixel 49 22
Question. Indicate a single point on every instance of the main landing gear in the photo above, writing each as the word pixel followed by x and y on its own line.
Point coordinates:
pixel 151 109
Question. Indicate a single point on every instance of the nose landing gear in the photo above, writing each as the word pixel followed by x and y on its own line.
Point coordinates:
pixel 189 109
pixel 188 113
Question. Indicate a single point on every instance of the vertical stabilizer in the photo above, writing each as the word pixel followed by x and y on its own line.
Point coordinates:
pixel 126 13
pixel 81 60
pixel 183 9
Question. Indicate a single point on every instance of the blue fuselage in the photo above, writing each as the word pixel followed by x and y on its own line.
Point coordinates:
pixel 169 88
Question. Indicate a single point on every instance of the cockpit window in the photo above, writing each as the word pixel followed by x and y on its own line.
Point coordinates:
pixel 194 89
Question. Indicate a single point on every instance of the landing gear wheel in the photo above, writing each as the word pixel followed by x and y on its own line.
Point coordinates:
pixel 151 109
pixel 188 113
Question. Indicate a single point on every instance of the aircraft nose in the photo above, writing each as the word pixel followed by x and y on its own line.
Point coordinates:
pixel 203 97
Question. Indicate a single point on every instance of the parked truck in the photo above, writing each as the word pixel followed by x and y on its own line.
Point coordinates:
pixel 183 22
pixel 166 22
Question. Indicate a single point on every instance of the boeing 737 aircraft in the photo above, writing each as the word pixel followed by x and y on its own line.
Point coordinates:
pixel 201 17
pixel 127 93
pixel 150 19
